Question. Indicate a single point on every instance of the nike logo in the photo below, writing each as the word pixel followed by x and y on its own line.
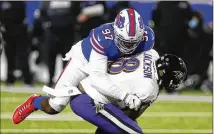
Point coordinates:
pixel 98 38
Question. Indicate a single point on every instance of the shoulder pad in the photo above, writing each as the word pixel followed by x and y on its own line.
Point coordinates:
pixel 149 35
pixel 101 38
pixel 149 38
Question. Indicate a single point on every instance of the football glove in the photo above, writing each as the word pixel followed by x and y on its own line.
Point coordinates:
pixel 132 101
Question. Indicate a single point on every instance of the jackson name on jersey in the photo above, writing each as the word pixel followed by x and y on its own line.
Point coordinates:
pixel 136 74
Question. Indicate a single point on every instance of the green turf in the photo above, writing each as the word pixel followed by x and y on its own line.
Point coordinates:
pixel 176 122
pixel 20 84
pixel 15 94
pixel 6 124
pixel 9 101
pixel 194 92
pixel 184 91
pixel 144 122
pixel 191 92
pixel 174 106
pixel 160 106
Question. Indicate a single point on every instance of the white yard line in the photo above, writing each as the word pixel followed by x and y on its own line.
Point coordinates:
pixel 46 117
pixel 177 114
pixel 162 97
pixel 73 117
pixel 22 89
pixel 76 131
pixel 166 97
pixel 13 99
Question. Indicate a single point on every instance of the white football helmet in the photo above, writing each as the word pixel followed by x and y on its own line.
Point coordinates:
pixel 128 30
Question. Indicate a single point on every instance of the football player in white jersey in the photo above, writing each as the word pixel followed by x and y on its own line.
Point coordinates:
pixel 127 35
pixel 142 76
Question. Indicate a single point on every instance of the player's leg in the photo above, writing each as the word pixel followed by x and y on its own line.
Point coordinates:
pixel 99 131
pixel 109 119
pixel 70 77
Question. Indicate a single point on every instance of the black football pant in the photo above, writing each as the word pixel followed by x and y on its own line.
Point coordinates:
pixel 59 41
pixel 17 53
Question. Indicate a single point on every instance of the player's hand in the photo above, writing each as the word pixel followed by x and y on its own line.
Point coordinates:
pixel 132 101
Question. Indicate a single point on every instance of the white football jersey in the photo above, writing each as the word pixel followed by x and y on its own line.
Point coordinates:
pixel 137 75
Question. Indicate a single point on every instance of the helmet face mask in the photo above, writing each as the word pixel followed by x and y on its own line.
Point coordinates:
pixel 171 71
pixel 126 47
pixel 128 30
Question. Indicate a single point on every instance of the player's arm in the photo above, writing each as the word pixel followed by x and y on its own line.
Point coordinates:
pixel 98 75
pixel 100 78
pixel 99 40
pixel 101 81
pixel 133 114
pixel 147 91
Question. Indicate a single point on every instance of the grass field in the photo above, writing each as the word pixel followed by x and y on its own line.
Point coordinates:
pixel 162 117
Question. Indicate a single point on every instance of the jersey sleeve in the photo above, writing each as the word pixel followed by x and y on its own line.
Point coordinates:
pixel 98 42
pixel 147 90
pixel 148 41
pixel 100 79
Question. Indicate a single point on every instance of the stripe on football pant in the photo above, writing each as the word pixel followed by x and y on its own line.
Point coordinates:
pixel 117 122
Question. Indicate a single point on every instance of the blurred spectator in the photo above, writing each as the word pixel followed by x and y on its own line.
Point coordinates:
pixel 199 52
pixel 1 38
pixel 113 11
pixel 195 46
pixel 16 39
pixel 38 37
pixel 92 14
pixel 170 23
pixel 59 20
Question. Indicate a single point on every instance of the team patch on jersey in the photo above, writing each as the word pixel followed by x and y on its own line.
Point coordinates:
pixel 120 21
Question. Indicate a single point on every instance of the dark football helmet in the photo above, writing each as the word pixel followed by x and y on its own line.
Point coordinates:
pixel 171 71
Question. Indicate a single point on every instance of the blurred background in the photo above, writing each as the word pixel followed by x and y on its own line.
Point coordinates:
pixel 37 34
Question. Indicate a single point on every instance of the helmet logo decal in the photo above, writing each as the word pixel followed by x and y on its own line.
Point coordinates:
pixel 120 21
pixel 141 23
pixel 178 75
